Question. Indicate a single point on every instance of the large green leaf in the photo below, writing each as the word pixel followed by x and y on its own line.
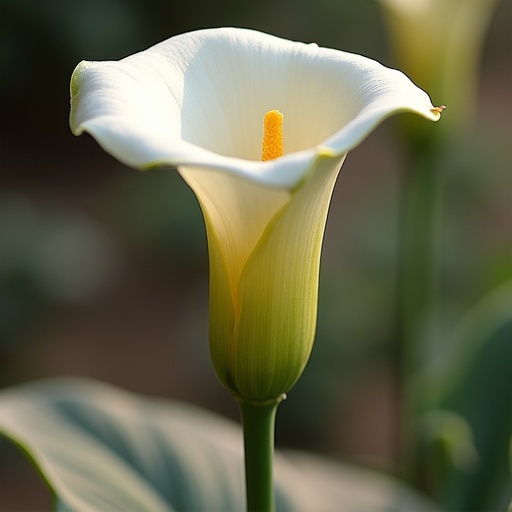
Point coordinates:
pixel 101 448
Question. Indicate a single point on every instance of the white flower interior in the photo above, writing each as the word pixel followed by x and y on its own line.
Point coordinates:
pixel 226 99
pixel 220 93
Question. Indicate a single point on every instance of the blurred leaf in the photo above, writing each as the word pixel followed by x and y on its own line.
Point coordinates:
pixel 48 255
pixel 100 448
pixel 446 443
pixel 474 382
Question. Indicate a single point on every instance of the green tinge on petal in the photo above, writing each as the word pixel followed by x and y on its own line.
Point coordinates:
pixel 278 292
pixel 222 308
pixel 264 249
pixel 236 213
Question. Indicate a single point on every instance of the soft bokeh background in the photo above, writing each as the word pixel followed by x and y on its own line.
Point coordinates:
pixel 103 269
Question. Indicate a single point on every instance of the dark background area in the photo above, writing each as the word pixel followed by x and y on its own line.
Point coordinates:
pixel 104 270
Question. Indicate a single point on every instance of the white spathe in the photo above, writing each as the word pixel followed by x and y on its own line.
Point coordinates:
pixel 199 99
pixel 197 102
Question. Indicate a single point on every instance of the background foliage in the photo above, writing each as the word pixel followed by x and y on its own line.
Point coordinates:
pixel 103 270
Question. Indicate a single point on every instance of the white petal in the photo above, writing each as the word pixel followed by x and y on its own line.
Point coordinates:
pixel 199 99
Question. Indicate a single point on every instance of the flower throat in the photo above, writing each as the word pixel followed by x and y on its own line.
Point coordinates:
pixel 272 146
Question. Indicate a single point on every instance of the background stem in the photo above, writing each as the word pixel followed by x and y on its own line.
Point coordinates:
pixel 418 311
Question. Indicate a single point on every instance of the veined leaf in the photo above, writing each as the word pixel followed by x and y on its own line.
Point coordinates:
pixel 100 448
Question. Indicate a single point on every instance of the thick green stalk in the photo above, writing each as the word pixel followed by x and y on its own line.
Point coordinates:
pixel 258 427
pixel 419 282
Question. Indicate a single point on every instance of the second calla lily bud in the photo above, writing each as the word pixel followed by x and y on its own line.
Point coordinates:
pixel 203 102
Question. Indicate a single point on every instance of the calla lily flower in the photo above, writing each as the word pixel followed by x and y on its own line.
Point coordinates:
pixel 439 43
pixel 197 102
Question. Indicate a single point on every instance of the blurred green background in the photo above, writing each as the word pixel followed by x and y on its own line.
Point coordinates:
pixel 104 271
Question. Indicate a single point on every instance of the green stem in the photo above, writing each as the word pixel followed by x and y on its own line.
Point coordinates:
pixel 258 426
pixel 418 306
